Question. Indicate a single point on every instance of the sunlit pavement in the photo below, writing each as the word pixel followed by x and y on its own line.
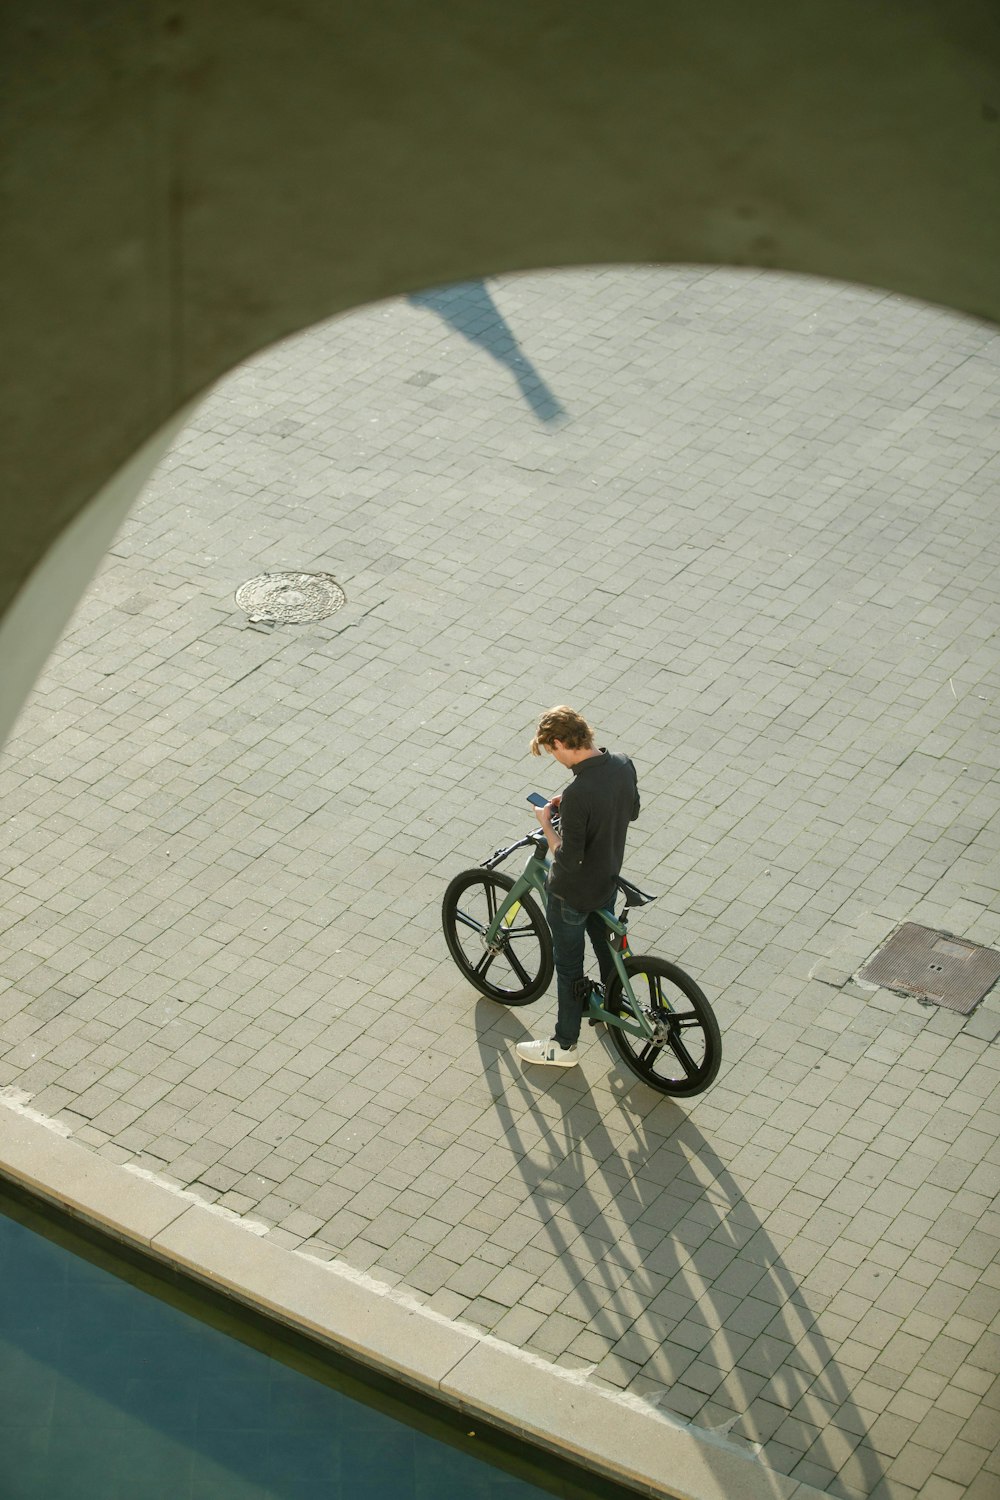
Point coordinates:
pixel 747 523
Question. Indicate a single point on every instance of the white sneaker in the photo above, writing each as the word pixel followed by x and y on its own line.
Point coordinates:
pixel 552 1053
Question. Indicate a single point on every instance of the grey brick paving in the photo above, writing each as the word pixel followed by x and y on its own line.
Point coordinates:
pixel 748 522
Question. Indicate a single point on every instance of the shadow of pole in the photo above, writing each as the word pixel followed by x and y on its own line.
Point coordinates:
pixel 470 310
pixel 671 1267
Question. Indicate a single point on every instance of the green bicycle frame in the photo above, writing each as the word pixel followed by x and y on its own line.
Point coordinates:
pixel 532 878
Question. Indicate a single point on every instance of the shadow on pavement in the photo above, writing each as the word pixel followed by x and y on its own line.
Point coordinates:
pixel 470 310
pixel 663 1259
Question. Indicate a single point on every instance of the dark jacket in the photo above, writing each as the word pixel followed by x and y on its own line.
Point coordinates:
pixel 595 811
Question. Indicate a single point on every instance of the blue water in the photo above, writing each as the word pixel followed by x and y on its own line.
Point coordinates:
pixel 108 1392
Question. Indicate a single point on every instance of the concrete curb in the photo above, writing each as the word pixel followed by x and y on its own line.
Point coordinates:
pixel 613 1434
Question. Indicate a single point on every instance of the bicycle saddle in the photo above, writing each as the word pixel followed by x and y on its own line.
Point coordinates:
pixel 633 895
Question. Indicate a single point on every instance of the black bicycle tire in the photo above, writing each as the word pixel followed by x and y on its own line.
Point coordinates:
pixel 464 881
pixel 624 1043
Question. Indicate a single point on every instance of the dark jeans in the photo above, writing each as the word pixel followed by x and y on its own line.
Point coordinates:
pixel 568 927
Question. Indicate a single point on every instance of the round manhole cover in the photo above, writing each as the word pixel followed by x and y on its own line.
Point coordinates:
pixel 290 598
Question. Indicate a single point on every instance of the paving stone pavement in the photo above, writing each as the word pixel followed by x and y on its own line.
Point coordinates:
pixel 747 523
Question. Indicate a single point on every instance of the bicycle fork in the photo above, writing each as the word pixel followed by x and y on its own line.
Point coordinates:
pixel 495 935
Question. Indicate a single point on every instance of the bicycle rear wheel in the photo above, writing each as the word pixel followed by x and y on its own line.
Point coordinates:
pixel 518 969
pixel 684 1056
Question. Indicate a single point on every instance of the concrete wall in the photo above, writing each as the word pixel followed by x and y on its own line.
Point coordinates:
pixel 188 183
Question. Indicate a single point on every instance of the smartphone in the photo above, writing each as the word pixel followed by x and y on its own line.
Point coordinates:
pixel 537 800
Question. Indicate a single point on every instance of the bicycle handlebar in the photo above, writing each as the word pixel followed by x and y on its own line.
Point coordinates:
pixel 537 838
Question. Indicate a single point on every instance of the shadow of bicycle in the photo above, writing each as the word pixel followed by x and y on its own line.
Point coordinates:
pixel 657 1271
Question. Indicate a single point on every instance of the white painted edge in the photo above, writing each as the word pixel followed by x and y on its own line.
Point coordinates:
pixel 385 1328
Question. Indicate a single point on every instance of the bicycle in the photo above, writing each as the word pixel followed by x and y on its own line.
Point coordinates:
pixel 659 1020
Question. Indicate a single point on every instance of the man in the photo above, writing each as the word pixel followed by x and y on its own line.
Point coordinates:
pixel 586 853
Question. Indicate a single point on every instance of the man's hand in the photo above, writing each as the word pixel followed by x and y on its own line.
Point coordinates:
pixel 548 812
pixel 545 815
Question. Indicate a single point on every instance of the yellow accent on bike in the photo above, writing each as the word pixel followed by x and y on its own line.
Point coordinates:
pixel 509 916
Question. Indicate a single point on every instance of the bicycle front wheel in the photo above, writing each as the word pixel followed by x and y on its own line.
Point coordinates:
pixel 518 968
pixel 684 1055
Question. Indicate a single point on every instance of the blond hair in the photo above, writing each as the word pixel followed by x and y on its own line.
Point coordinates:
pixel 563 724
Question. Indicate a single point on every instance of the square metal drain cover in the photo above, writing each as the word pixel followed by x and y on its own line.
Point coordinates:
pixel 934 967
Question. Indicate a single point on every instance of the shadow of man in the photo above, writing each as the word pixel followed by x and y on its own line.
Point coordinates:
pixel 470 310
pixel 660 1275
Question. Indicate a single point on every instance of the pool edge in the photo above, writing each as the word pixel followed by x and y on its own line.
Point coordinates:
pixel 385 1328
